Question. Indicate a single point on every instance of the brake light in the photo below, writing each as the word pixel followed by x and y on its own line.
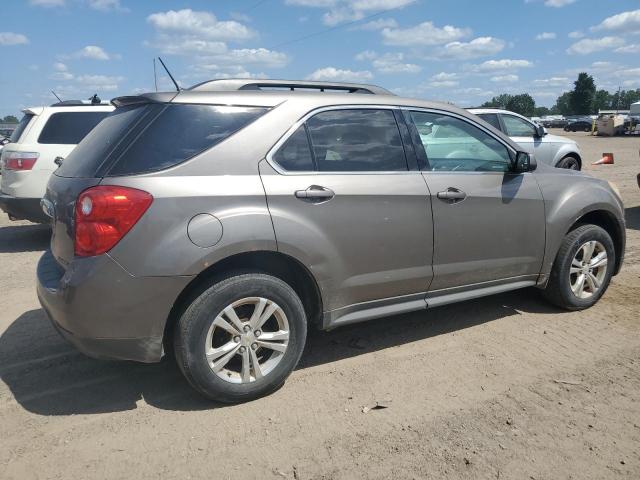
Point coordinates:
pixel 19 160
pixel 103 216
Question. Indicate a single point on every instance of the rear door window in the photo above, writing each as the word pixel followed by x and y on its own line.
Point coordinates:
pixel 356 140
pixel 491 119
pixel 295 154
pixel 179 132
pixel 69 128
pixel 17 133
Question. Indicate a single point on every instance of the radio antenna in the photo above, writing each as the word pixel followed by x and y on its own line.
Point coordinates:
pixel 55 95
pixel 155 76
pixel 170 76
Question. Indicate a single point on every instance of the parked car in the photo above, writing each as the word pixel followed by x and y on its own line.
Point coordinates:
pixel 225 220
pixel 43 135
pixel 580 125
pixel 553 150
pixel 3 142
pixel 555 122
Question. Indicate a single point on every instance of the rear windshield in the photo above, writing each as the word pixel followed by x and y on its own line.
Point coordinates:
pixel 69 128
pixel 150 137
pixel 17 133
pixel 180 132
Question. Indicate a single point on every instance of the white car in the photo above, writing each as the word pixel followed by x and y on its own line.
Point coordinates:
pixel 44 137
pixel 553 150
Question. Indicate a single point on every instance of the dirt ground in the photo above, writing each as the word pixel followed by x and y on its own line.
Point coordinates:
pixel 502 387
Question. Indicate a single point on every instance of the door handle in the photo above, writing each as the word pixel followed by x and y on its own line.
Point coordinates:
pixel 452 195
pixel 315 193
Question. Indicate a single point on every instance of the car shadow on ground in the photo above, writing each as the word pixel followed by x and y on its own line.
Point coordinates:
pixel 24 238
pixel 632 217
pixel 47 376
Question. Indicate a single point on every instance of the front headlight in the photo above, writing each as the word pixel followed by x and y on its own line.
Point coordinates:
pixel 615 188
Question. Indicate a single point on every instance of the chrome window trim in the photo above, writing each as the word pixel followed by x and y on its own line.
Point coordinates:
pixel 301 121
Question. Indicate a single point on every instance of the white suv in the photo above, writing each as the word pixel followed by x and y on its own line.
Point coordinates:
pixel 44 137
pixel 553 150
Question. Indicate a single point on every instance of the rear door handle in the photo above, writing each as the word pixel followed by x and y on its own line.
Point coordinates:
pixel 452 195
pixel 315 193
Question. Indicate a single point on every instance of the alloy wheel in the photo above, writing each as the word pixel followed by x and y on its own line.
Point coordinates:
pixel 247 340
pixel 588 269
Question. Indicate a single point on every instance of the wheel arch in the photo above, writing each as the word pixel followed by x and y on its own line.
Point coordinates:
pixel 280 265
pixel 608 222
pixel 572 155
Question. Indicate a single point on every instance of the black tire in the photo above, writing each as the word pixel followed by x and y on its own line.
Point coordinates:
pixel 570 163
pixel 587 129
pixel 191 333
pixel 558 290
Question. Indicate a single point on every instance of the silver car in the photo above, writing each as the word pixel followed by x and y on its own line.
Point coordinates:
pixel 223 221
pixel 553 150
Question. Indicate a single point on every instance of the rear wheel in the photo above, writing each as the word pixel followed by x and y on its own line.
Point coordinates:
pixel 587 129
pixel 583 268
pixel 570 163
pixel 241 338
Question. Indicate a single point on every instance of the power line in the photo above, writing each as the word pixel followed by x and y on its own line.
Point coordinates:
pixel 255 5
pixel 331 29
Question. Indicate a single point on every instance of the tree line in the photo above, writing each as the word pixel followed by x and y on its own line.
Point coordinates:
pixel 584 99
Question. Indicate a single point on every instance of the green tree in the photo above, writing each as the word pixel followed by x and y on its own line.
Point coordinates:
pixel 524 104
pixel 562 106
pixel 10 119
pixel 581 100
pixel 501 101
pixel 541 111
pixel 601 101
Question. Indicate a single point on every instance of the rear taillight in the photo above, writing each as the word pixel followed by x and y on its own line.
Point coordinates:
pixel 104 214
pixel 19 160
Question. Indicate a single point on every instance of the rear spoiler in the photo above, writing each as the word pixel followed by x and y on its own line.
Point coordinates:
pixel 142 99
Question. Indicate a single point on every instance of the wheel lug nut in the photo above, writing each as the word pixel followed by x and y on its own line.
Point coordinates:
pixel 243 349
pixel 246 328
pixel 236 339
pixel 254 346
pixel 257 333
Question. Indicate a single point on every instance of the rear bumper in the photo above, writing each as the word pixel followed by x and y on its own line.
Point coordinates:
pixel 23 208
pixel 103 310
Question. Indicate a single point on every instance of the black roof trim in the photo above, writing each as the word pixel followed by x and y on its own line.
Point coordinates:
pixel 77 103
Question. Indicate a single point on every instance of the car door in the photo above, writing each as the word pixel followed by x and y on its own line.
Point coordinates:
pixel 345 203
pixel 489 223
pixel 524 134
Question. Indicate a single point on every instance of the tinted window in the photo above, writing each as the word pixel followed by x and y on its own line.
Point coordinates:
pixel 517 127
pixel 180 132
pixel 356 140
pixel 491 119
pixel 100 143
pixel 295 154
pixel 452 144
pixel 69 128
pixel 17 133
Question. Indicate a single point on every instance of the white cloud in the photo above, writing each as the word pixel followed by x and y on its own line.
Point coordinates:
pixel 553 82
pixel 478 47
pixel 107 5
pixel 10 38
pixel 389 62
pixel 576 34
pixel 47 3
pixel 558 3
pixel 93 52
pixel 60 67
pixel 546 36
pixel 424 34
pixel 99 82
pixel 502 65
pixel 592 45
pixel 632 48
pixel 336 74
pixel 199 24
pixel 339 11
pixel 379 24
pixel 511 78
pixel 623 22
pixel 444 76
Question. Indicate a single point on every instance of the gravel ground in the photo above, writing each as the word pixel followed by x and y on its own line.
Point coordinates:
pixel 502 387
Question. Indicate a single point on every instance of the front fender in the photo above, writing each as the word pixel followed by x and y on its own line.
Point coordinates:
pixel 568 197
pixel 566 150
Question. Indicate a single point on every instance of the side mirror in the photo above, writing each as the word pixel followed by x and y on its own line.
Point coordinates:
pixel 524 163
pixel 540 131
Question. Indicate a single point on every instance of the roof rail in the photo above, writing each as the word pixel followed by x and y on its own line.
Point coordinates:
pixel 77 103
pixel 235 84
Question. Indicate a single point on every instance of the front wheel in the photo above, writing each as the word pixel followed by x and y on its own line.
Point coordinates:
pixel 570 163
pixel 583 268
pixel 241 338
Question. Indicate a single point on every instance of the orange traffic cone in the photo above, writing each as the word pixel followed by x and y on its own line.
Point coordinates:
pixel 607 159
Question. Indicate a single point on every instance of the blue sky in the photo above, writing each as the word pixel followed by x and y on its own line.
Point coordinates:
pixel 462 51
